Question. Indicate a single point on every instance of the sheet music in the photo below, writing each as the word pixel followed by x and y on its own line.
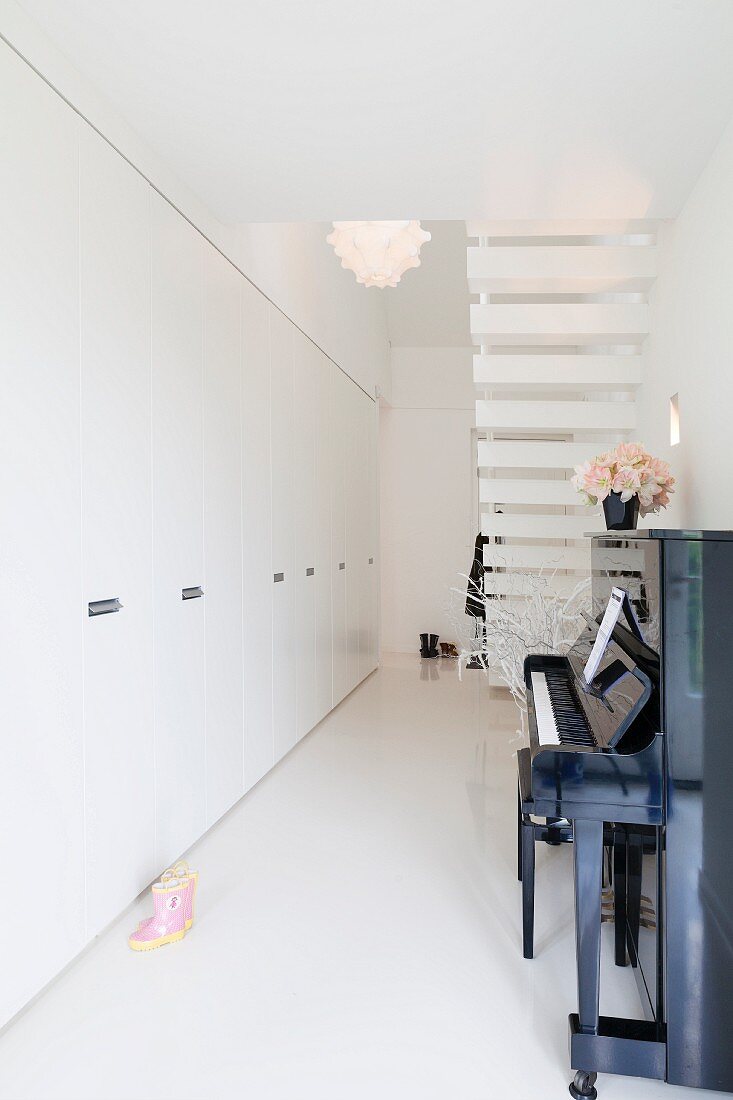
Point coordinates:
pixel 605 630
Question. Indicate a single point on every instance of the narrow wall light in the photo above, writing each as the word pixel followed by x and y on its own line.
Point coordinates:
pixel 674 419
pixel 379 253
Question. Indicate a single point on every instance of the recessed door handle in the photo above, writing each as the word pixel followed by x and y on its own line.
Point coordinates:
pixel 371 561
pixel 104 607
pixel 278 577
pixel 194 593
pixel 342 565
pixel 309 571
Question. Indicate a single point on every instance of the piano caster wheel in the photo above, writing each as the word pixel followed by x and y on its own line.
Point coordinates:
pixel 582 1085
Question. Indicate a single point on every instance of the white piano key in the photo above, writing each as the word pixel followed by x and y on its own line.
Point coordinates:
pixel 546 727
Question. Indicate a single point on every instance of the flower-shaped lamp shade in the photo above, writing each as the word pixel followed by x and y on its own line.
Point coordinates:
pixel 378 253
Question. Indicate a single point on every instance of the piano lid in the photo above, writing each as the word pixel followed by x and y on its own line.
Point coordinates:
pixel 663 533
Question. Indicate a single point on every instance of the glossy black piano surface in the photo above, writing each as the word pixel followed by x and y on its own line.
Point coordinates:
pixel 617 777
pixel 687 600
pixel 666 784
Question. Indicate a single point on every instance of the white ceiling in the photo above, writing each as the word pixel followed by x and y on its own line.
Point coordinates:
pixel 289 110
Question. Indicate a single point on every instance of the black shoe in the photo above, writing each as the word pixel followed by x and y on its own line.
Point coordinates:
pixel 424 646
pixel 477 660
pixel 433 651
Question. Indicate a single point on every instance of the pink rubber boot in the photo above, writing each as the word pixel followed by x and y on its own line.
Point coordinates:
pixel 168 922
pixel 190 880
pixel 190 906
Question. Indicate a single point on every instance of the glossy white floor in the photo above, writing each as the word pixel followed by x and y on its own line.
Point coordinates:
pixel 358 933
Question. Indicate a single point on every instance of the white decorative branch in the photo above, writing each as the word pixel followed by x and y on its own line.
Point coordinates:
pixel 528 616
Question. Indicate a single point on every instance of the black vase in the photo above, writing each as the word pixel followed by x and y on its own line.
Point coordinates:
pixel 620 516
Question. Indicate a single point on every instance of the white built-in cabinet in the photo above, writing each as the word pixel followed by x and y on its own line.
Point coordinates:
pixel 170 441
pixel 178 529
pixel 339 408
pixel 223 576
pixel 41 677
pixel 366 492
pixel 323 627
pixel 119 774
pixel 354 520
pixel 259 748
pixel 305 397
pixel 367 549
pixel 282 473
pixel 353 536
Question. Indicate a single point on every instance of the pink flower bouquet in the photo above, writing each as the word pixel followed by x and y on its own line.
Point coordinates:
pixel 629 471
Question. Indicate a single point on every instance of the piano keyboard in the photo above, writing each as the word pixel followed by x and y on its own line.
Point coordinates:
pixel 560 718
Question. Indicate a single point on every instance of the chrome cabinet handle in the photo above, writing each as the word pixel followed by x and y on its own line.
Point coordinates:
pixel 194 593
pixel 104 607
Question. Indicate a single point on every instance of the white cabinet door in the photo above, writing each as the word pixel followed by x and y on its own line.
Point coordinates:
pixel 324 477
pixel 363 553
pixel 339 451
pixel 354 465
pixel 223 535
pixel 305 379
pixel 256 535
pixel 373 538
pixel 367 622
pixel 177 338
pixel 41 793
pixel 117 529
pixel 283 534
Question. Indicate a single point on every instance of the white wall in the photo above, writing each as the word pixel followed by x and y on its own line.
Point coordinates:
pixel 427 487
pixel 429 307
pixel 432 378
pixel 690 351
pixel 290 263
pixel 427 477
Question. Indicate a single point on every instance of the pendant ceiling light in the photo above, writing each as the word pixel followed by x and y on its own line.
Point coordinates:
pixel 378 253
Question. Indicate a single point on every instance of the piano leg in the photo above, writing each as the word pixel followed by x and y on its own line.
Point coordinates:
pixel 528 891
pixel 619 893
pixel 634 855
pixel 519 835
pixel 588 853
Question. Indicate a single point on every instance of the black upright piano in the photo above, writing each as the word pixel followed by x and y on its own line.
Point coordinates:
pixel 646 751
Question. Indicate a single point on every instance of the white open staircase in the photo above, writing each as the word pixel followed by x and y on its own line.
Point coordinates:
pixel 559 324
